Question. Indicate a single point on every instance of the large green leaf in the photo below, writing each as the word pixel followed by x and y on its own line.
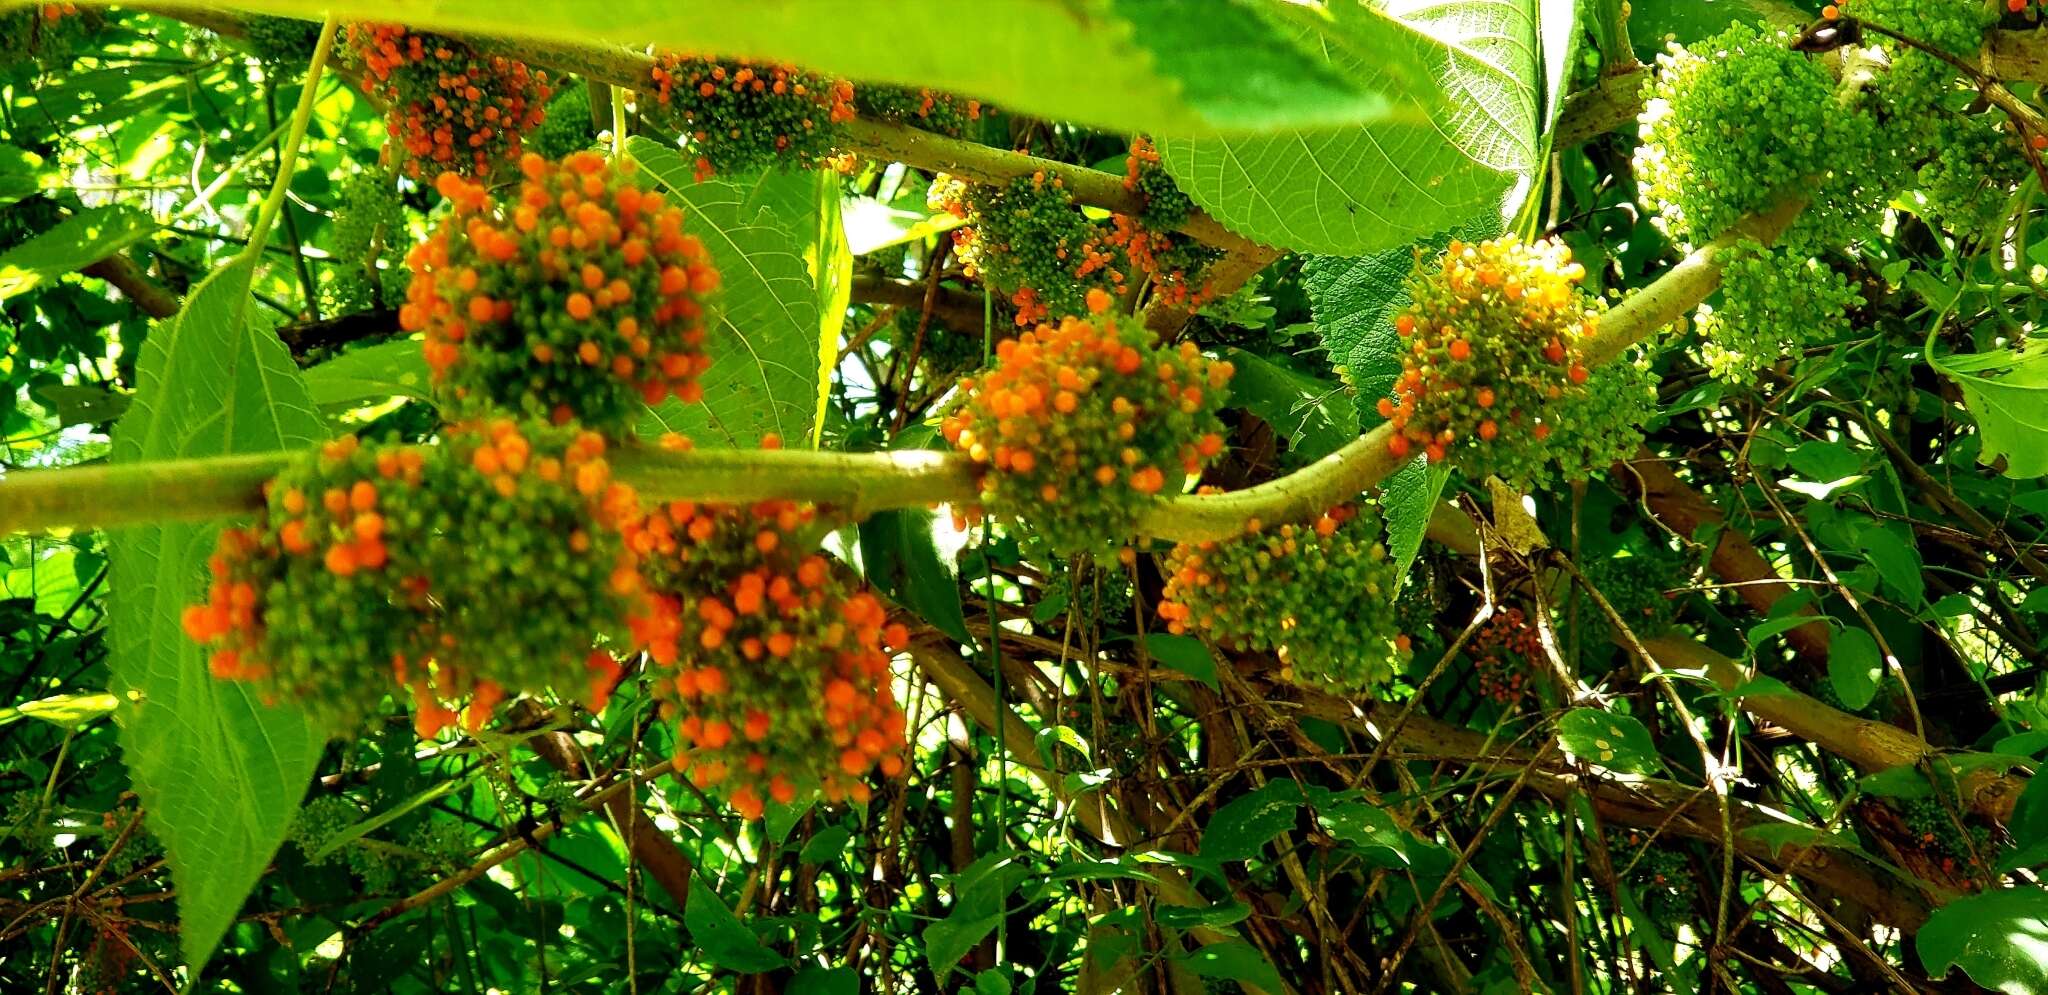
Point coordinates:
pixel 372 373
pixel 219 772
pixel 1351 190
pixel 1241 828
pixel 1407 502
pixel 78 241
pixel 980 894
pixel 723 939
pixel 1316 417
pixel 1140 65
pixel 1998 938
pixel 764 347
pixel 1354 300
pixel 2011 405
pixel 1608 739
pixel 899 555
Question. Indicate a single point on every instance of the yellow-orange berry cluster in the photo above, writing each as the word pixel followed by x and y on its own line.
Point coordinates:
pixel 448 107
pixel 774 670
pixel 920 107
pixel 1080 424
pixel 579 296
pixel 393 568
pixel 1321 595
pixel 1177 264
pixel 1492 350
pixel 741 116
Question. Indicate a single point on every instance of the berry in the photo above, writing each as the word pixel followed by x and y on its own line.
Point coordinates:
pixel 773 669
pixel 1031 243
pixel 1741 119
pixel 740 116
pixel 391 567
pixel 369 227
pixel 568 128
pixel 931 110
pixel 1492 367
pixel 281 41
pixel 1166 206
pixel 1078 425
pixel 578 297
pixel 1503 654
pixel 449 107
pixel 1320 595
pixel 1774 302
pixel 1638 586
pixel 1974 169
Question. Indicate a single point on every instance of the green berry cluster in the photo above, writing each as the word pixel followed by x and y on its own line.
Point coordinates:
pixel 1660 873
pixel 578 296
pixel 1638 586
pixel 380 565
pixel 569 128
pixel 1593 431
pixel 1320 595
pixel 1031 244
pixel 931 110
pixel 281 41
pixel 741 116
pixel 773 669
pixel 1078 425
pixel 1492 370
pixel 1960 844
pixel 1917 80
pixel 1167 207
pixel 369 229
pixel 1740 119
pixel 1775 300
pixel 1975 167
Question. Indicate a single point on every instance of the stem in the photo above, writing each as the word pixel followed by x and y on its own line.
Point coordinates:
pixel 288 153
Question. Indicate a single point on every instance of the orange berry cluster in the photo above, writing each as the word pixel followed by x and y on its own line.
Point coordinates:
pixel 392 567
pixel 1493 348
pixel 1320 595
pixel 578 297
pixel 773 669
pixel 1080 423
pixel 1501 653
pixel 1177 264
pixel 931 110
pixel 1031 243
pixel 741 116
pixel 449 107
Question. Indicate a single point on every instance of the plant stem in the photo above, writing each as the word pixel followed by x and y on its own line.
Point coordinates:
pixel 288 153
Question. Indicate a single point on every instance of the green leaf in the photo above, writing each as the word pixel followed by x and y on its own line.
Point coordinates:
pixel 1407 502
pixel 1240 829
pixel 1353 190
pixel 20 173
pixel 1380 841
pixel 372 373
pixel 384 818
pixel 76 242
pixel 994 981
pixel 1186 654
pixel 1616 742
pixel 824 847
pixel 1136 65
pixel 1188 916
pixel 1999 938
pixel 1096 870
pixel 65 711
pixel 80 404
pixel 1904 782
pixel 723 939
pixel 1896 561
pixel 1771 627
pixel 1314 416
pixel 1779 835
pixel 220 773
pixel 900 557
pixel 979 895
pixel 815 980
pixel 2011 405
pixel 763 375
pixel 1854 667
pixel 1235 960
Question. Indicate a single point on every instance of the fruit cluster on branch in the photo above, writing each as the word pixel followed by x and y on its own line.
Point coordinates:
pixel 740 115
pixel 448 107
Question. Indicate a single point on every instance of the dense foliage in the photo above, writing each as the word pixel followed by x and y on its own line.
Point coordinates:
pixel 629 497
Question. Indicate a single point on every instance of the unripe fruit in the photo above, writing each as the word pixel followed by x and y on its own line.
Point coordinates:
pixel 579 297
pixel 925 108
pixel 740 116
pixel 1321 595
